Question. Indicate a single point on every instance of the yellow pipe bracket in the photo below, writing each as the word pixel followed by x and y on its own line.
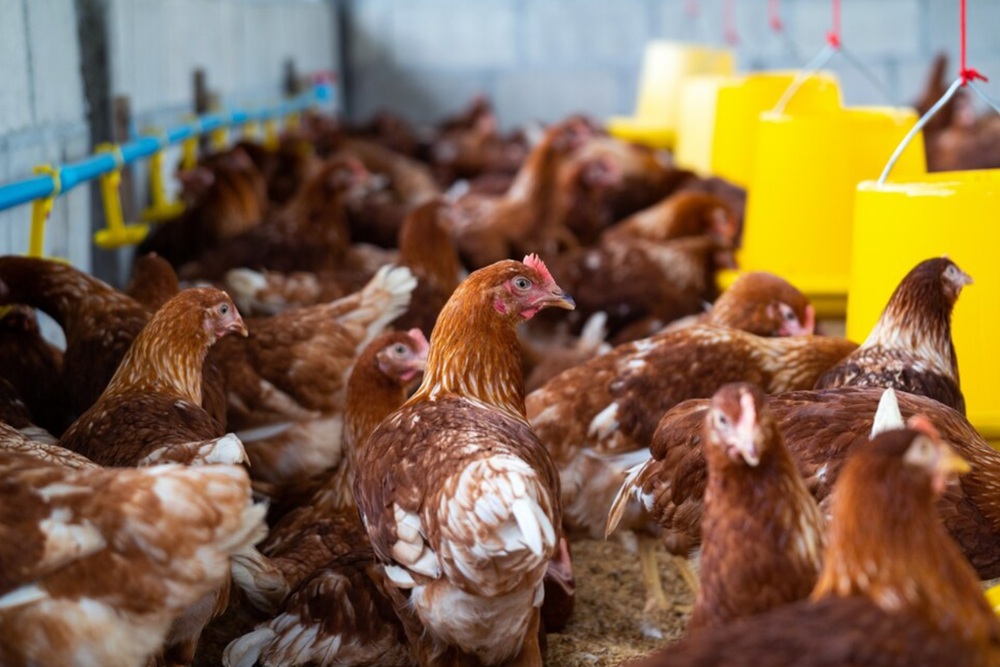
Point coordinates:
pixel 271 140
pixel 40 211
pixel 160 209
pixel 116 234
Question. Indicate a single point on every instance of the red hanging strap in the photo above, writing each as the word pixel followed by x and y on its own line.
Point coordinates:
pixel 833 37
pixel 774 15
pixel 966 73
pixel 729 31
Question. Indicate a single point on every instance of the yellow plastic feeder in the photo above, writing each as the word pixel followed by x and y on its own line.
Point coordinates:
pixel 665 65
pixel 993 598
pixel 718 118
pixel 801 203
pixel 909 219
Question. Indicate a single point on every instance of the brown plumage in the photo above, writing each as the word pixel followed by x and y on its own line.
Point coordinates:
pixel 487 229
pixel 154 398
pixel 322 546
pixel 33 366
pixel 95 563
pixel 327 523
pixel 757 302
pixel 153 281
pixel 612 404
pixel 635 279
pixel 910 348
pixel 470 145
pixel 894 590
pixel 309 234
pixel 99 322
pixel 547 358
pixel 225 195
pixel 287 381
pixel 426 247
pixel 764 534
pixel 681 214
pixel 821 429
pixel 458 496
pixel 14 439
pixel 376 211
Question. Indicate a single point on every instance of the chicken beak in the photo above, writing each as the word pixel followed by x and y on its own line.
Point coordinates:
pixel 955 464
pixel 950 466
pixel 559 299
pixel 746 432
pixel 237 326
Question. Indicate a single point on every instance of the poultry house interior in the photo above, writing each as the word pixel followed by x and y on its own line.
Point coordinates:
pixel 577 334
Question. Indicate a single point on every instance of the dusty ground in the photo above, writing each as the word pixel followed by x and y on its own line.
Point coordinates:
pixel 608 624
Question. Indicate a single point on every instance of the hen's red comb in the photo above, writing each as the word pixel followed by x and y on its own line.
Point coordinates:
pixel 534 262
pixel 419 339
pixel 923 425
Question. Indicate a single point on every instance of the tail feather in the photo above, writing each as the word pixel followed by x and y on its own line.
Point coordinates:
pixel 226 450
pixel 594 333
pixel 382 300
pixel 246 651
pixel 887 415
pixel 628 491
pixel 262 582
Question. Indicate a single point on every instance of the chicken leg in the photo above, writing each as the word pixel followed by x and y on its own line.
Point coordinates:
pixel 656 598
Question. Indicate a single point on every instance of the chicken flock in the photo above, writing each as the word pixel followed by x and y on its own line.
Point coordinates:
pixel 372 384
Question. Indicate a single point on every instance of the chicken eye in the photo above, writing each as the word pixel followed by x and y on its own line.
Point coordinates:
pixel 790 315
pixel 522 283
pixel 400 349
pixel 721 420
pixel 224 309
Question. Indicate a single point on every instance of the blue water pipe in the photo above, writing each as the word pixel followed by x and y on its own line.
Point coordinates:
pixel 70 175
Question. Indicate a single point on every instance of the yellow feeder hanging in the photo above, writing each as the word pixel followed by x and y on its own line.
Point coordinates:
pixel 719 115
pixel 161 208
pixel 800 208
pixel 899 224
pixel 665 66
pixel 116 233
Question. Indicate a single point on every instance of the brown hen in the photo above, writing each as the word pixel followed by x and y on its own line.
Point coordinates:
pixel 225 195
pixel 487 229
pixel 323 546
pixel 33 367
pixel 894 590
pixel 154 399
pixel 458 497
pixel 821 429
pixel 95 564
pixel 754 499
pixel 910 348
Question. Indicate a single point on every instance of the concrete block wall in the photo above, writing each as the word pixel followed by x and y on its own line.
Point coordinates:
pixel 543 59
pixel 53 83
pixel 42 118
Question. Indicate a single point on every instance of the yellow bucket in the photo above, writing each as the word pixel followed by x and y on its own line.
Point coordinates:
pixel 903 222
pixel 665 65
pixel 718 118
pixel 801 203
